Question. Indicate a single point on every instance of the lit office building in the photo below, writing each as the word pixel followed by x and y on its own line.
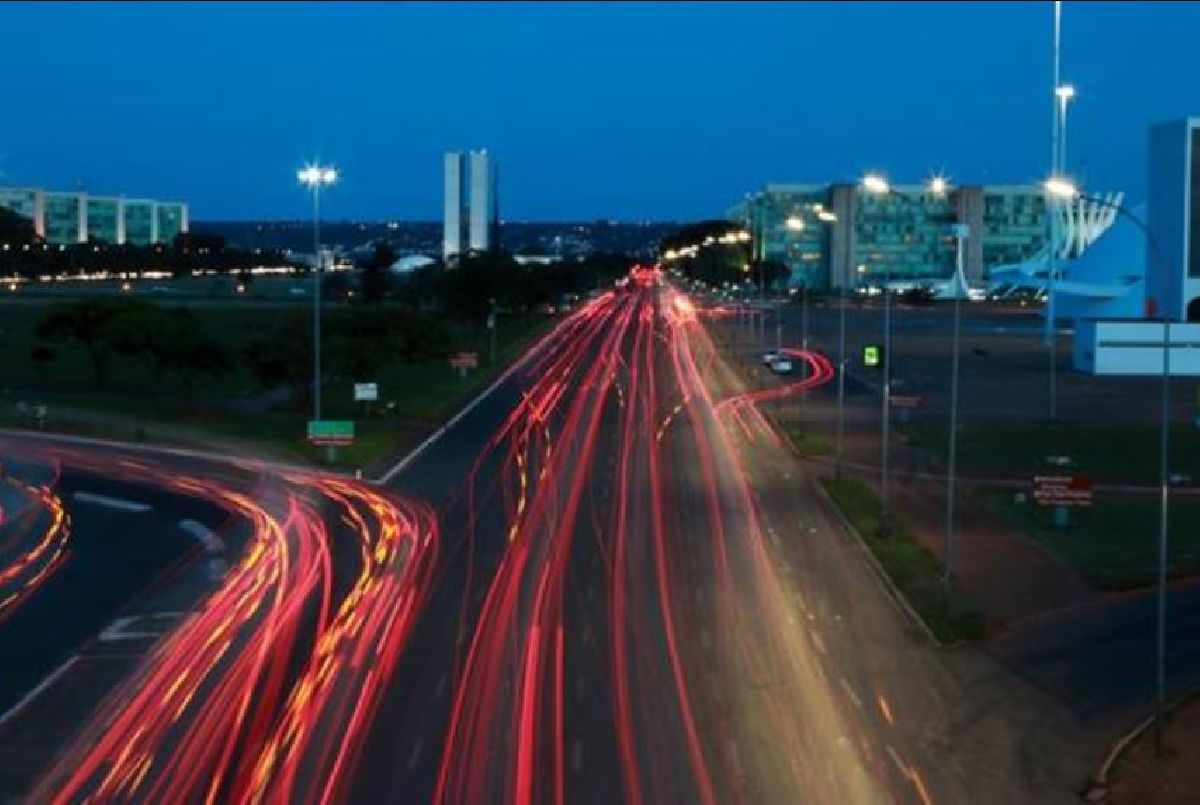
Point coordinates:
pixel 469 215
pixel 77 217
pixel 898 237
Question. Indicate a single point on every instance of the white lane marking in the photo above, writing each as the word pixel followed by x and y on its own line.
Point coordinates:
pixel 735 758
pixel 205 535
pixel 415 755
pixel 715 684
pixel 817 641
pixel 576 755
pixel 899 761
pixel 850 693
pixel 28 698
pixel 441 685
pixel 111 503
pixel 116 631
pixel 454 420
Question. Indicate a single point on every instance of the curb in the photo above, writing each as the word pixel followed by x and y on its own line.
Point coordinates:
pixel 889 586
pixel 1098 790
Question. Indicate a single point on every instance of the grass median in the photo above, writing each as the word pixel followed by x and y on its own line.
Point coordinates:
pixel 1114 542
pixel 1120 452
pixel 234 412
pixel 916 572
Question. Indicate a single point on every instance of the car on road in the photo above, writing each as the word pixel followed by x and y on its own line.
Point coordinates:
pixel 782 366
pixel 769 357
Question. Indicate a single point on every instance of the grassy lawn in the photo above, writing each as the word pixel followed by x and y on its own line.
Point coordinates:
pixel 413 395
pixel 913 568
pixel 1108 452
pixel 1115 542
pixel 808 442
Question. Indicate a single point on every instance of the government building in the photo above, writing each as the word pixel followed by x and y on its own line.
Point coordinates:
pixel 77 217
pixel 843 236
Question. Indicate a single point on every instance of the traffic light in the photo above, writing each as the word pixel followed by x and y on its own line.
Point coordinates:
pixel 872 355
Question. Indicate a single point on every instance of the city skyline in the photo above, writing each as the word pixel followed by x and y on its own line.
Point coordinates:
pixel 623 123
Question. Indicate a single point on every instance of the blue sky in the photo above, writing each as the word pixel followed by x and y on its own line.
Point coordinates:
pixel 654 110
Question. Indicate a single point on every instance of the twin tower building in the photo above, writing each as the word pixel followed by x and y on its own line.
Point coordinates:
pixel 470 221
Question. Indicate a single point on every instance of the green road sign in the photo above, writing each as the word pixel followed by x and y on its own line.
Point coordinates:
pixel 330 432
pixel 872 355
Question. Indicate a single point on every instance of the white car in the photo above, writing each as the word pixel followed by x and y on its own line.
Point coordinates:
pixel 768 358
pixel 782 366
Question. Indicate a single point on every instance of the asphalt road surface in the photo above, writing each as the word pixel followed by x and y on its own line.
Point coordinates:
pixel 631 592
pixel 645 598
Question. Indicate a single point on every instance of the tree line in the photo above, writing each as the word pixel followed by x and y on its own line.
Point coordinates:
pixel 719 263
pixel 173 343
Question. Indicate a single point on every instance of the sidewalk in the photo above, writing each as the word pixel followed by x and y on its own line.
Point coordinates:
pixel 1173 778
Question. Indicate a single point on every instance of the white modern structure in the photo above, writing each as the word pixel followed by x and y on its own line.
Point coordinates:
pixel 453 236
pixel 1078 225
pixel 1174 218
pixel 77 217
pixel 1135 348
pixel 482 208
pixel 469 213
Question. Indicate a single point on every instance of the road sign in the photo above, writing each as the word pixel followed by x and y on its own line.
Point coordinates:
pixel 324 432
pixel 366 392
pixel 911 401
pixel 464 361
pixel 872 355
pixel 1062 490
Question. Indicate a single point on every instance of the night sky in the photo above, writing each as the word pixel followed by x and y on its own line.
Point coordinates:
pixel 661 111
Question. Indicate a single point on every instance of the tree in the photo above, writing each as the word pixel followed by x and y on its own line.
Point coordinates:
pixel 15 229
pixel 86 323
pixel 375 278
pixel 283 357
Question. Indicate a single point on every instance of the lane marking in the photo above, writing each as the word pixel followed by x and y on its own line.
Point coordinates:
pixel 735 759
pixel 850 693
pixel 116 631
pixel 895 756
pixel 576 755
pixel 415 755
pixel 112 503
pixel 885 708
pixel 29 697
pixel 817 641
pixel 205 535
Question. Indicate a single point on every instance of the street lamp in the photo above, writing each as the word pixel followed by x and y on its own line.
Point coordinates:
pixel 1062 187
pixel 1065 94
pixel 960 232
pixel 877 185
pixel 314 177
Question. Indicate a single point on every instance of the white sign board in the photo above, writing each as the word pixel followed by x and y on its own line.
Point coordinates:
pixel 366 392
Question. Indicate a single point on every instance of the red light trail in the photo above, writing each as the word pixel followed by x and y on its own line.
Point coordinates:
pixel 218 711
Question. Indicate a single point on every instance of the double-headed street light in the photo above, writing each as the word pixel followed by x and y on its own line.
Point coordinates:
pixel 314 177
pixel 876 184
pixel 1064 188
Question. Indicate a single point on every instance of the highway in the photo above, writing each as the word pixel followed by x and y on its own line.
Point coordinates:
pixel 646 599
pixel 608 582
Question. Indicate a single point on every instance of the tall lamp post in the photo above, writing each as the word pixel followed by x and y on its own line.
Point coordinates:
pixel 877 185
pixel 795 223
pixel 314 177
pixel 960 232
pixel 1064 188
